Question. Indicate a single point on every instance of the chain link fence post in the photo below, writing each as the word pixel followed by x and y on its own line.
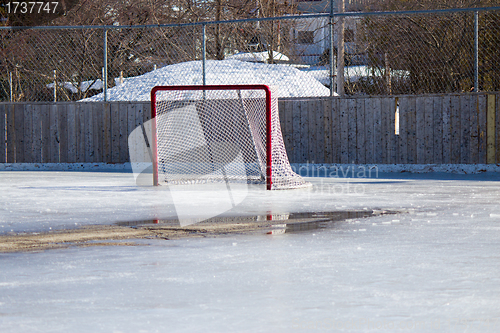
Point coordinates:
pixel 105 68
pixel 204 53
pixel 476 51
pixel 332 48
pixel 340 49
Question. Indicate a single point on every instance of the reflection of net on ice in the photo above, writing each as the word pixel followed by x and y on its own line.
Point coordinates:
pixel 217 136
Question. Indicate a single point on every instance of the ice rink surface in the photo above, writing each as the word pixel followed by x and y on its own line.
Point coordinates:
pixel 434 267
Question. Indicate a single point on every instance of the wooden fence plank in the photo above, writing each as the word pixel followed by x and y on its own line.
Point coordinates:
pixel 384 129
pixel 86 125
pixel 132 115
pixel 96 132
pixel 62 111
pixel 95 135
pixel 420 129
pixel 446 109
pixel 3 132
pixel 360 129
pixel 147 111
pixel 88 140
pixel 351 130
pixel 338 138
pixel 335 130
pixel 54 137
pixel 297 153
pixel 398 104
pixel 456 132
pixel 437 130
pixel 84 149
pixel 123 119
pixel 28 133
pixel 11 133
pixel 474 129
pixel 429 132
pixel 97 126
pixel 72 130
pixel 412 130
pixel 296 131
pixel 281 113
pixel 465 106
pixel 327 124
pixel 19 128
pixel 490 129
pixel 115 132
pixel 482 129
pixel 80 126
pixel 288 128
pixel 45 132
pixel 304 130
pixel 100 130
pixel 497 128
pixel 106 133
pixel 37 134
pixel 313 131
pixel 377 130
pixel 320 127
pixel 344 131
pixel 139 121
pixel 403 138
pixel 147 117
pixel 284 125
pixel 389 110
pixel 369 131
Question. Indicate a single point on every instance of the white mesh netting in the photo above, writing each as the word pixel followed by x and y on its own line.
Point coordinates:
pixel 219 135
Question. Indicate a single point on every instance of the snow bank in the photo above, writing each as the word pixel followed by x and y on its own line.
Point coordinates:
pixel 290 81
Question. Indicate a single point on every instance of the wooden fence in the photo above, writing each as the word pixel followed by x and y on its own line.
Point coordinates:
pixel 451 129
pixel 68 132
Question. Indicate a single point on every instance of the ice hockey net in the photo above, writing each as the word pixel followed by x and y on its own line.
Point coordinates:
pixel 219 133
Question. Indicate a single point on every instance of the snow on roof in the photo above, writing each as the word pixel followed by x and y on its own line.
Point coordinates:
pixel 351 73
pixel 84 86
pixel 258 56
pixel 290 81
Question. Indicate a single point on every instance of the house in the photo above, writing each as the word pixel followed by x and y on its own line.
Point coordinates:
pixel 312 35
pixel 323 6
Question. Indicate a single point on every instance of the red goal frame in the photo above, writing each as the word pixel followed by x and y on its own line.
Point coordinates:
pixel 263 87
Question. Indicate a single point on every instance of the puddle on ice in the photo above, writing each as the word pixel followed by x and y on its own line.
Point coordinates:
pixel 275 223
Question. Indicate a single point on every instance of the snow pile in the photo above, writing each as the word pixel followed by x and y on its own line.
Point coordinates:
pixel 258 56
pixel 290 82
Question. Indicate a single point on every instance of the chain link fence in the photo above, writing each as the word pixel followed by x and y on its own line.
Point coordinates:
pixel 384 53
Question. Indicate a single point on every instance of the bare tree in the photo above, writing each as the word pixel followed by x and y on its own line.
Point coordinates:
pixel 432 53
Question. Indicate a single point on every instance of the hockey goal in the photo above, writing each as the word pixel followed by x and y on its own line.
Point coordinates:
pixel 219 133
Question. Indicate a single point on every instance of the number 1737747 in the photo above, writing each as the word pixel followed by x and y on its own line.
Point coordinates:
pixel 31 7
